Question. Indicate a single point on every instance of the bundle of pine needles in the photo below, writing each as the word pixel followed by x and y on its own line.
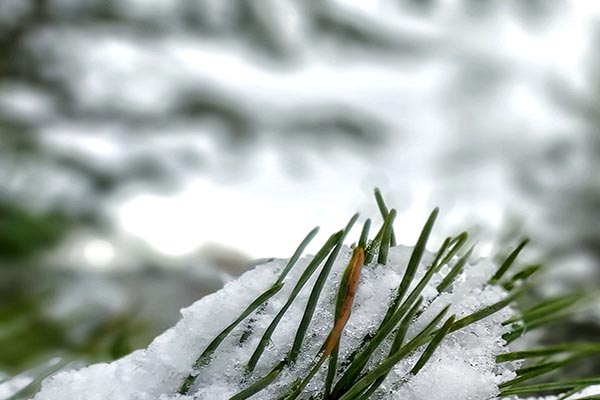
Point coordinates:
pixel 356 381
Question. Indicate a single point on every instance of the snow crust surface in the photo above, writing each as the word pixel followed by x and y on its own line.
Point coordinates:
pixel 463 367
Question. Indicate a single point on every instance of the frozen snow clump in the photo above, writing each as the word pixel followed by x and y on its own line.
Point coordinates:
pixel 463 367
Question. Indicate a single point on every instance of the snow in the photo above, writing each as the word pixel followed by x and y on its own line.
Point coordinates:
pixel 463 367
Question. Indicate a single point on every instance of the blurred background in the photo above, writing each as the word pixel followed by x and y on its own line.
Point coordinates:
pixel 152 150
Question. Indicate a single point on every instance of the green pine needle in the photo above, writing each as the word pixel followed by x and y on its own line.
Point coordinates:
pixel 384 212
pixel 454 272
pixel 435 342
pixel 386 237
pixel 508 262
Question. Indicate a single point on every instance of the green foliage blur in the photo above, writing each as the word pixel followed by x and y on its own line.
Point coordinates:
pixel 24 234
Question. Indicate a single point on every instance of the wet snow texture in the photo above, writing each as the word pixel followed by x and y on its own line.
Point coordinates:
pixel 463 367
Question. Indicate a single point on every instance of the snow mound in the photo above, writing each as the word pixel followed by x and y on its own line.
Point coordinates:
pixel 463 367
